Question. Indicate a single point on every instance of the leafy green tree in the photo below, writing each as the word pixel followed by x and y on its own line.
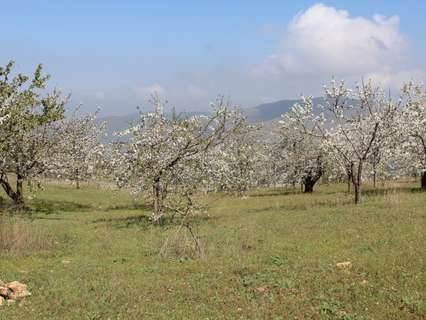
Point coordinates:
pixel 27 111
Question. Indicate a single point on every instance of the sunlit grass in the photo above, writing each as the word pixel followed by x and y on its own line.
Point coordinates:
pixel 269 256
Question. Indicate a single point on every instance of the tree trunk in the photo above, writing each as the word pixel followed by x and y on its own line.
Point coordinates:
pixel 19 194
pixel 349 181
pixel 423 183
pixel 312 178
pixel 77 180
pixel 7 188
pixel 310 181
pixel 357 188
pixel 309 186
pixel 158 207
pixel 357 182
pixel 374 179
pixel 30 186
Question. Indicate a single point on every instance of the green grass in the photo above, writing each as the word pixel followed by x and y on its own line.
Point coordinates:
pixel 270 256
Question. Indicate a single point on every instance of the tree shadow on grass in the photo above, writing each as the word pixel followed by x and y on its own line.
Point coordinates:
pixel 417 190
pixel 50 207
pixel 304 206
pixel 56 206
pixel 42 209
pixel 144 221
pixel 274 193
pixel 385 191
pixel 128 207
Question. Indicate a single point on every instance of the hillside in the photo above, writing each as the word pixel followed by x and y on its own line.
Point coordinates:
pixel 267 112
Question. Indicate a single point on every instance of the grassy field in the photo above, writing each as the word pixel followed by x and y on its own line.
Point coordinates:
pixel 91 254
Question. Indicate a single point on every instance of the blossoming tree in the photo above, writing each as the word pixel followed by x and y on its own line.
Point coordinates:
pixel 165 156
pixel 351 125
pixel 303 153
pixel 79 149
pixel 413 127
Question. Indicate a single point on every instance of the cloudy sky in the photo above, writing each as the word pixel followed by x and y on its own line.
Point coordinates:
pixel 114 54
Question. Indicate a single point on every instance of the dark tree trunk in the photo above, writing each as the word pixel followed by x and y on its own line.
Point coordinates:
pixel 19 198
pixel 7 188
pixel 18 195
pixel 158 201
pixel 311 179
pixel 423 183
pixel 357 188
pixel 374 179
pixel 357 182
pixel 30 186
pixel 77 179
pixel 349 178
pixel 309 186
pixel 157 198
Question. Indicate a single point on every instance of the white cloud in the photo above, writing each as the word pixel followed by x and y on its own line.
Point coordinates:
pixel 145 91
pixel 393 79
pixel 325 41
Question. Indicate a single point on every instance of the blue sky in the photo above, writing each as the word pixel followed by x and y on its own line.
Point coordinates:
pixel 113 54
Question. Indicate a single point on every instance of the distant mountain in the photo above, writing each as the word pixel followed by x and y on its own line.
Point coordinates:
pixel 121 123
pixel 118 123
pixel 267 112
pixel 273 110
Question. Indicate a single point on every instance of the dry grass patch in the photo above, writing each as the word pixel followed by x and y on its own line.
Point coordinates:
pixel 17 235
pixel 183 242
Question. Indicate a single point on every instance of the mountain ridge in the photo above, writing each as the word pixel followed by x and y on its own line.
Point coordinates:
pixel 266 112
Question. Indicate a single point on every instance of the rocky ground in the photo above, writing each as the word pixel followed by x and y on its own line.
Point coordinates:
pixel 12 292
